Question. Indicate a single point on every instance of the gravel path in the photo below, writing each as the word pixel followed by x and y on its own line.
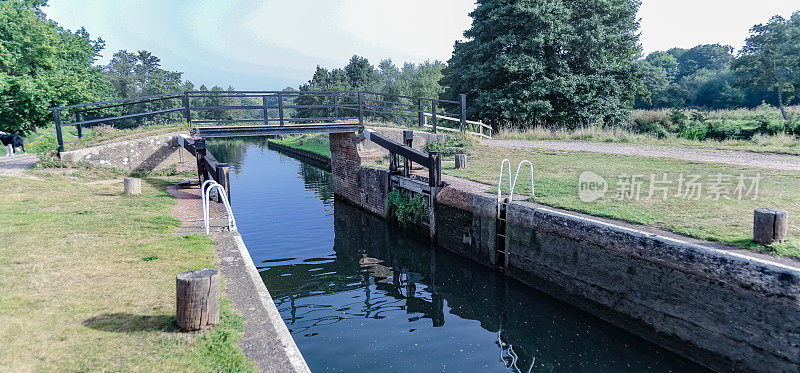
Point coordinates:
pixel 15 166
pixel 735 157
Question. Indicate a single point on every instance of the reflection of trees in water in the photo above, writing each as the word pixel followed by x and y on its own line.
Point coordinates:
pixel 233 150
pixel 378 271
pixel 318 180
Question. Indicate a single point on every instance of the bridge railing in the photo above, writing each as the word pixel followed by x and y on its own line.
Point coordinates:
pixel 271 108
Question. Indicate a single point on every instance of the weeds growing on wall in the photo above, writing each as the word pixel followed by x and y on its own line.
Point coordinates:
pixel 407 209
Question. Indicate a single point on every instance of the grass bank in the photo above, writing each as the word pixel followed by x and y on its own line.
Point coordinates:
pixel 760 129
pixel 44 140
pixel 779 143
pixel 317 144
pixel 88 282
pixel 725 219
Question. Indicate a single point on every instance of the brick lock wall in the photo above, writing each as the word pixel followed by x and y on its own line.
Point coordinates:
pixel 365 187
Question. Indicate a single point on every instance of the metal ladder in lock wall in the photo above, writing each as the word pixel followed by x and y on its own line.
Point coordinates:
pixel 205 191
pixel 502 204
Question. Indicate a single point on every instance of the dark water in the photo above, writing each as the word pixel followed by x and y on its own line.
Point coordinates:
pixel 361 295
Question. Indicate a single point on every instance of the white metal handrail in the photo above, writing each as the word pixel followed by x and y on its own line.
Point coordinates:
pixel 500 178
pixel 512 185
pixel 205 191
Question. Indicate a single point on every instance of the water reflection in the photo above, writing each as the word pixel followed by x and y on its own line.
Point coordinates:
pixel 366 296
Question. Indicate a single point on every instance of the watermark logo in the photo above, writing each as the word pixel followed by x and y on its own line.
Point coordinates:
pixel 686 186
pixel 591 186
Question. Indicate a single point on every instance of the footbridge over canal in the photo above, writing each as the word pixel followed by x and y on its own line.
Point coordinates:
pixel 341 114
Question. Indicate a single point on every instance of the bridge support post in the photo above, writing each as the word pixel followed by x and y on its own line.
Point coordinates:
pixel 280 108
pixel 433 115
pixel 186 113
pixel 361 108
pixel 266 112
pixel 421 113
pixel 336 106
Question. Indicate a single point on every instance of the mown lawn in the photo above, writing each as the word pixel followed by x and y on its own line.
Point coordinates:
pixel 728 220
pixel 317 144
pixel 87 279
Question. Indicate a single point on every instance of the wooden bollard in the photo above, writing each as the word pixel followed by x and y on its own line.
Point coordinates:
pixel 769 226
pixel 132 185
pixel 197 293
pixel 461 161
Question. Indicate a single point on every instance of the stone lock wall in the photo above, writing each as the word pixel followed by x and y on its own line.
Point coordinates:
pixel 143 154
pixel 724 309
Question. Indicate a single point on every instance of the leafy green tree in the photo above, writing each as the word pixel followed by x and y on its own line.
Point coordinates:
pixel 712 57
pixel 362 74
pixel 770 59
pixel 552 62
pixel 43 65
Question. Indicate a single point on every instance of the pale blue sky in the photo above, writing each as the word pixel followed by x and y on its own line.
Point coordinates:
pixel 272 44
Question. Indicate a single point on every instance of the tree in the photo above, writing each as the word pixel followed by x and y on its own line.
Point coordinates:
pixel 770 59
pixel 361 74
pixel 43 65
pixel 712 57
pixel 552 62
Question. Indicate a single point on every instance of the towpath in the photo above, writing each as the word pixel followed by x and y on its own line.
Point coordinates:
pixel 734 157
pixel 15 166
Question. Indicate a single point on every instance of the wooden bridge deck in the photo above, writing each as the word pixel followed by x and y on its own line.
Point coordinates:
pixel 288 129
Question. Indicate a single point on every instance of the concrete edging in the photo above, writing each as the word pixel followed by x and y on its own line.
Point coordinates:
pixel 286 340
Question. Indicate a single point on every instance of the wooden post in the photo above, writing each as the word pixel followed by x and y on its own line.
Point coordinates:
pixel 434 181
pixel 224 178
pixel 461 161
pixel 463 112
pixel 266 114
pixel 336 106
pixel 421 113
pixel 433 115
pixel 280 108
pixel 57 119
pixel 408 140
pixel 197 299
pixel 769 226
pixel 392 163
pixel 360 108
pixel 78 125
pixel 187 115
pixel 200 152
pixel 132 185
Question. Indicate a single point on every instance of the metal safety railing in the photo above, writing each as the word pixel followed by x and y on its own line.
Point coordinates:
pixel 512 185
pixel 271 109
pixel 205 191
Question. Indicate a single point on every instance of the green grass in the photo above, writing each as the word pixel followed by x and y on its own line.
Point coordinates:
pixel 725 220
pixel 317 144
pixel 88 279
pixel 781 143
pixel 44 140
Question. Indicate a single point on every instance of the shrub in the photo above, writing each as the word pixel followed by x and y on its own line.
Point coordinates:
pixel 694 131
pixel 456 144
pixel 407 210
pixel 722 130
